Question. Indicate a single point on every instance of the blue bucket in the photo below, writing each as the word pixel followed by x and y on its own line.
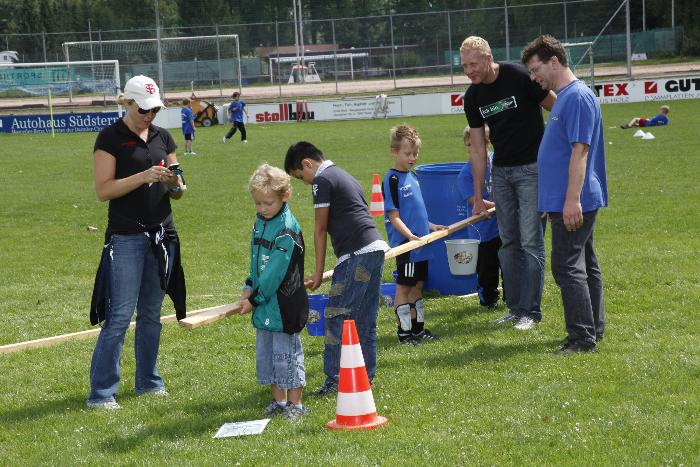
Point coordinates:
pixel 388 292
pixel 316 325
pixel 438 184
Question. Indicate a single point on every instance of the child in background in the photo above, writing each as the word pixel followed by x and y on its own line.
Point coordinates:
pixel 659 119
pixel 236 109
pixel 274 291
pixel 406 218
pixel 187 118
pixel 487 265
pixel 341 211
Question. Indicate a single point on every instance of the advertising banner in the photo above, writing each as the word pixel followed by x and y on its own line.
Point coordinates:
pixel 62 123
pixel 645 90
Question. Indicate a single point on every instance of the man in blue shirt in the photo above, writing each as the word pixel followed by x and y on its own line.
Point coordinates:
pixel 659 119
pixel 187 118
pixel 573 186
pixel 236 109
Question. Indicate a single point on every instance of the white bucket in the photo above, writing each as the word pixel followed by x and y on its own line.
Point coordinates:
pixel 462 255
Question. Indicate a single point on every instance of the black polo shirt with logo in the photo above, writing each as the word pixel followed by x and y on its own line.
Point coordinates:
pixel 147 206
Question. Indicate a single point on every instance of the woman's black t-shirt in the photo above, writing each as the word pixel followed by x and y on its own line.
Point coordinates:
pixel 149 205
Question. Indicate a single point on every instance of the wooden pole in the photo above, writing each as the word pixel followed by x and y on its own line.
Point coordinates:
pixel 49 341
pixel 201 319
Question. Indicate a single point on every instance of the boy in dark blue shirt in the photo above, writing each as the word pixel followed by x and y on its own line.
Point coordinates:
pixel 487 264
pixel 236 109
pixel 187 118
pixel 341 211
pixel 406 219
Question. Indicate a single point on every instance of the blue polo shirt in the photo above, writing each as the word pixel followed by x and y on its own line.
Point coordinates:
pixel 484 230
pixel 235 109
pixel 657 120
pixel 187 118
pixel 402 193
pixel 575 118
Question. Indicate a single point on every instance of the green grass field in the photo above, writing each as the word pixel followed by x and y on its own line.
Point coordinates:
pixel 483 394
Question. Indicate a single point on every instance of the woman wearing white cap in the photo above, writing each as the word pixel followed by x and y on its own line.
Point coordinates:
pixel 133 170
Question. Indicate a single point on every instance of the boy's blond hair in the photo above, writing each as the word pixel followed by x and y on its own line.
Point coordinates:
pixel 476 43
pixel 665 109
pixel 401 133
pixel 269 179
pixel 467 139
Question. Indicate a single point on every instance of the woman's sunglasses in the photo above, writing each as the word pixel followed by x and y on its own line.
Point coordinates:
pixel 155 110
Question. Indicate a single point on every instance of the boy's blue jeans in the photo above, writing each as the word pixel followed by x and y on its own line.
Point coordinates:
pixel 354 295
pixel 521 229
pixel 134 284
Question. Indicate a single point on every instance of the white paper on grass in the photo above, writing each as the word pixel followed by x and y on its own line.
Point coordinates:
pixel 253 427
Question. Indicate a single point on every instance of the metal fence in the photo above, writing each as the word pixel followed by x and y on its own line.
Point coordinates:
pixel 422 46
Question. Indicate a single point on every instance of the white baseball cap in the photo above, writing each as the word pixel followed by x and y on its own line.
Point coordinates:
pixel 144 91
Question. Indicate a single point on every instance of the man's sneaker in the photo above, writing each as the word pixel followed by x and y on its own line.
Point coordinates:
pixel 103 405
pixel 294 411
pixel 275 408
pixel 327 388
pixel 425 335
pixel 507 318
pixel 225 140
pixel 245 141
pixel 525 323
pixel 575 347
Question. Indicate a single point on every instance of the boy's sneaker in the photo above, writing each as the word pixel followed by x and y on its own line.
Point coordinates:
pixel 575 347
pixel 624 127
pixel 327 388
pixel 507 318
pixel 225 140
pixel 245 141
pixel 192 153
pixel 407 338
pixel 275 408
pixel 525 323
pixel 294 411
pixel 425 335
pixel 103 405
pixel 490 305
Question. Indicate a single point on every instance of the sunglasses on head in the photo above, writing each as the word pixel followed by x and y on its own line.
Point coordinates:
pixel 155 110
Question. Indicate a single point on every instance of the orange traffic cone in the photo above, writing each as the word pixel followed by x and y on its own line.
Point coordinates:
pixel 355 409
pixel 376 205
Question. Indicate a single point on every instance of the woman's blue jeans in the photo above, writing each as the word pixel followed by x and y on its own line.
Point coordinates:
pixel 354 295
pixel 134 284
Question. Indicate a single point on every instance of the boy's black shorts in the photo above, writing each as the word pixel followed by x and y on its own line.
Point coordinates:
pixel 410 273
pixel 189 136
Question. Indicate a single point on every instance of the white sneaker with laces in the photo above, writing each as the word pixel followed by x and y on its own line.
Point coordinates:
pixel 507 318
pixel 103 405
pixel 245 141
pixel 525 323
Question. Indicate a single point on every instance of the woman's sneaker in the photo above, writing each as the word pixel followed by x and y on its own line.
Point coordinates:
pixel 103 405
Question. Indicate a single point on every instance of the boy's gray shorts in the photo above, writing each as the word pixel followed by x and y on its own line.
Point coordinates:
pixel 279 359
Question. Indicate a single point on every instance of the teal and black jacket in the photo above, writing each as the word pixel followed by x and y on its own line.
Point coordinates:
pixel 277 274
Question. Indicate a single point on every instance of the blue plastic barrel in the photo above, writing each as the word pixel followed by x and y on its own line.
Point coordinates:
pixel 316 325
pixel 438 183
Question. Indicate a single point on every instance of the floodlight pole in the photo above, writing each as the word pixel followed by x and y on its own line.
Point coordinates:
pixel 296 37
pixel 158 49
pixel 629 39
pixel 301 41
